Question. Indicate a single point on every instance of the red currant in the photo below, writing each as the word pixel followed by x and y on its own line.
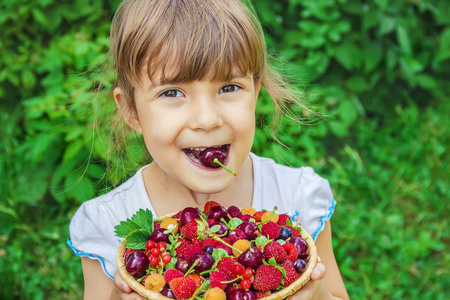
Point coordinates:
pixel 162 246
pixel 248 273
pixel 166 258
pixel 238 269
pixel 150 245
pixel 154 261
pixel 155 252
pixel 245 284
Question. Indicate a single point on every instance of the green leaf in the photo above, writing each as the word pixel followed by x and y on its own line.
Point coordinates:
pixel 144 219
pixel 218 253
pixel 215 228
pixel 261 240
pixel 348 55
pixel 234 223
pixel 137 239
pixel 272 261
pixel 125 227
pixel 404 40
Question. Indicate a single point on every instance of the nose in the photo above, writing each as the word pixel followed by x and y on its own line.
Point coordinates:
pixel 206 114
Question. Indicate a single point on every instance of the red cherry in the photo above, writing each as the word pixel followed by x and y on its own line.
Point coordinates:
pixel 245 284
pixel 248 273
pixel 150 245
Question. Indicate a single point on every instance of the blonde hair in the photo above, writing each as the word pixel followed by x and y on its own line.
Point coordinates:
pixel 203 38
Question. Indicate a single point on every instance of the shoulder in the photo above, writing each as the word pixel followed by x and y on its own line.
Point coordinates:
pixel 301 192
pixel 91 228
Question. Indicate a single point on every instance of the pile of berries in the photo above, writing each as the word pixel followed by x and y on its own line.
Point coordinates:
pixel 220 253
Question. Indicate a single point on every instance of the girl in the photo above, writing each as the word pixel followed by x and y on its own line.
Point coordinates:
pixel 188 77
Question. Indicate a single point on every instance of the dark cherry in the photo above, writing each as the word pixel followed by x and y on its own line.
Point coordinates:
pixel 166 292
pixel 188 214
pixel 223 231
pixel 251 258
pixel 137 264
pixel 241 294
pixel 206 261
pixel 285 233
pixel 217 213
pixel 208 249
pixel 182 265
pixel 158 235
pixel 207 157
pixel 302 247
pixel 249 228
pixel 236 234
pixel 300 266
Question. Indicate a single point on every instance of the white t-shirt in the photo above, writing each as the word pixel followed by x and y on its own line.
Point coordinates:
pixel 300 192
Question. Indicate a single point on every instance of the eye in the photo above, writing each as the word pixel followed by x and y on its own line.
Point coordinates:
pixel 229 88
pixel 171 94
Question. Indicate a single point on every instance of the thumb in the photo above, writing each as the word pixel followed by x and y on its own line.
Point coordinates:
pixel 318 272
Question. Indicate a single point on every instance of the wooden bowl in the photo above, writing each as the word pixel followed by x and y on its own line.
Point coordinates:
pixel 282 294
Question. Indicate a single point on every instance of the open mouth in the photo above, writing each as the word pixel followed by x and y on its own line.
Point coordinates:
pixel 205 156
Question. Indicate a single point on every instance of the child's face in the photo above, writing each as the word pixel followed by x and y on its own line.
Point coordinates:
pixel 175 118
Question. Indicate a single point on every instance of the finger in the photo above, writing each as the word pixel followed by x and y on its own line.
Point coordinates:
pixel 121 284
pixel 318 272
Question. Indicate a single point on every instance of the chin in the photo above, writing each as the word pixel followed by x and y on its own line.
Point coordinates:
pixel 212 186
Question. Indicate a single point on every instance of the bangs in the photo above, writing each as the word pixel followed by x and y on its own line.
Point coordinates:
pixel 212 42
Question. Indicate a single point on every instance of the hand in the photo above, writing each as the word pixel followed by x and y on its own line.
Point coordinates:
pixel 315 288
pixel 122 290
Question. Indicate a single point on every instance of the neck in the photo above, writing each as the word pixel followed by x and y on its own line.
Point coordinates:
pixel 168 195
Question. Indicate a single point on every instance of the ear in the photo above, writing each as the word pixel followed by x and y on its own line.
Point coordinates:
pixel 257 89
pixel 127 110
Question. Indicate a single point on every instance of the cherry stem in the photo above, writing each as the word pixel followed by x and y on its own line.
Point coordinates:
pixel 196 262
pixel 220 164
pixel 226 244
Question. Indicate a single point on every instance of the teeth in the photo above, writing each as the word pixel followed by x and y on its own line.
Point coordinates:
pixel 193 157
pixel 198 149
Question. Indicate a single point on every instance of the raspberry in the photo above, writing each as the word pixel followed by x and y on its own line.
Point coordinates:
pixel 172 274
pixel 215 294
pixel 155 282
pixel 282 219
pixel 248 211
pixel 241 245
pixel 225 265
pixel 295 231
pixel 218 279
pixel 266 216
pixel 234 211
pixel 291 250
pixel 275 250
pixel 271 230
pixel 170 224
pixel 209 242
pixel 223 246
pixel 246 217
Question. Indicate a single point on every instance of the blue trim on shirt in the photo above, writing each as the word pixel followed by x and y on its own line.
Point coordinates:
pixel 82 254
pixel 325 218
pixel 294 215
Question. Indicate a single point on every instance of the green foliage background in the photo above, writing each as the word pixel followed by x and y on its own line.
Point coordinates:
pixel 379 70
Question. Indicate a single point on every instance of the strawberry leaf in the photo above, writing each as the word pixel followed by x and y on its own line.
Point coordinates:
pixel 137 239
pixel 272 261
pixel 215 228
pixel 125 227
pixel 144 218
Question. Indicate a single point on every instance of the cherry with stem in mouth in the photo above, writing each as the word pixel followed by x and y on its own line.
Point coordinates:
pixel 220 164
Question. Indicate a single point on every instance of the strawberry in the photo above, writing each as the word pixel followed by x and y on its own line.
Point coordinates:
pixel 218 280
pixel 257 215
pixel 208 206
pixel 291 250
pixel 189 230
pixel 267 278
pixel 181 249
pixel 282 219
pixel 291 274
pixel 275 250
pixel 198 280
pixel 225 265
pixel 183 287
pixel 190 250
pixel 172 274
pixel 271 230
